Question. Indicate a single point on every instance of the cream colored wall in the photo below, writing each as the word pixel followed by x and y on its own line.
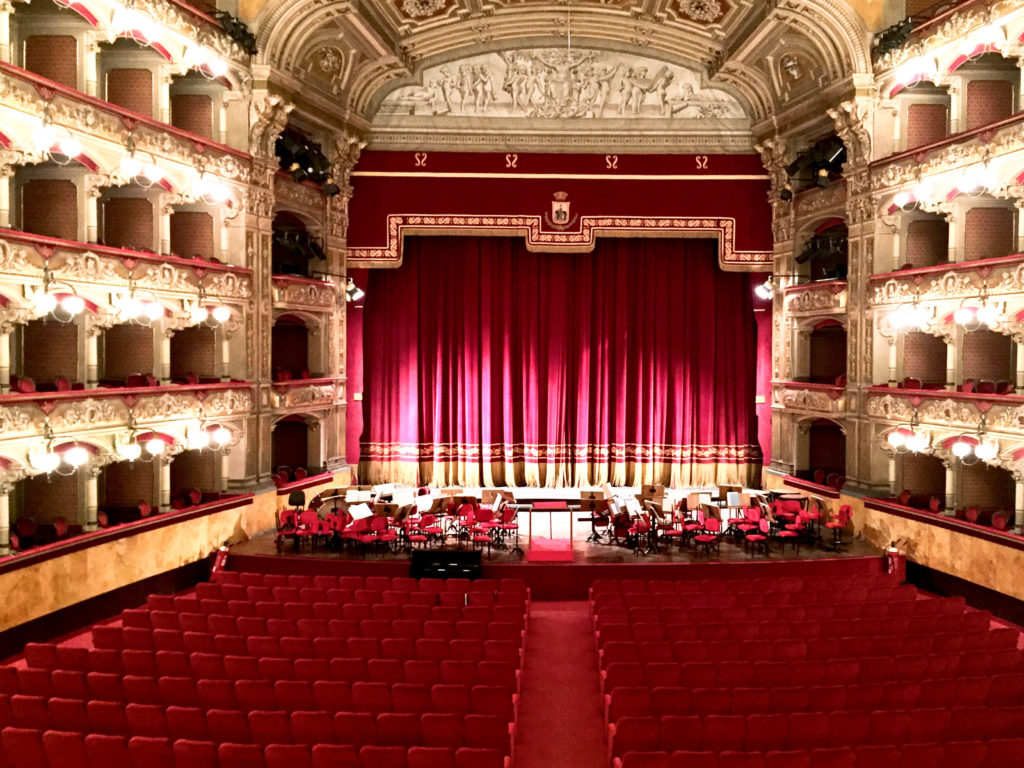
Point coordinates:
pixel 37 590
pixel 982 562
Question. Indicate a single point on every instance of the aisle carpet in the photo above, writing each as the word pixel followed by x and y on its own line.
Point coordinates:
pixel 561 724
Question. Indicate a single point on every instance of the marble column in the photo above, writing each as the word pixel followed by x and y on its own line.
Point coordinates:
pixel 92 500
pixel 5 520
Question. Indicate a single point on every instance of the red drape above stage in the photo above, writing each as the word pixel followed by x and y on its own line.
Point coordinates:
pixel 489 365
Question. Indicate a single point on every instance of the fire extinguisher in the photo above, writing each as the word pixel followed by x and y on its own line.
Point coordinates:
pixel 220 560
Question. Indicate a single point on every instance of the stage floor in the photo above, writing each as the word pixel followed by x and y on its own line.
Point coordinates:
pixel 584 553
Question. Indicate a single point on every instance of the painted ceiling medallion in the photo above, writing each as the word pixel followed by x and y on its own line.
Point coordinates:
pixel 422 9
pixel 701 10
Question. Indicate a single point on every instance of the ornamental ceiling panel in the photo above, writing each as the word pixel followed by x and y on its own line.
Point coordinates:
pixel 380 62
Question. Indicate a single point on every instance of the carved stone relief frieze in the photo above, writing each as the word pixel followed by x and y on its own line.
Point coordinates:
pixel 553 83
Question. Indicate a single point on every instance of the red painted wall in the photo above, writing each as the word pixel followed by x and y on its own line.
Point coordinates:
pixel 509 184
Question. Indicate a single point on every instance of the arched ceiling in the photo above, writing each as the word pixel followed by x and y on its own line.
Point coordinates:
pixel 339 59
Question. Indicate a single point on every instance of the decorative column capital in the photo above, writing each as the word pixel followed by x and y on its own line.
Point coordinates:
pixel 268 115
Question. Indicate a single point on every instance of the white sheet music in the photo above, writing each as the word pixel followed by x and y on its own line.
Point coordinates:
pixel 352 495
pixel 360 511
pixel 424 503
pixel 633 506
pixel 403 497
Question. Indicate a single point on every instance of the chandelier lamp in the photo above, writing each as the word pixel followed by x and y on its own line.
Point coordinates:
pixel 140 167
pixel 907 438
pixel 909 317
pixel 140 446
pixel 60 458
pixel 57 300
pixel 210 315
pixel 208 436
pixel 55 143
pixel 970 448
pixel 140 307
pixel 981 40
pixel 206 189
pixel 976 313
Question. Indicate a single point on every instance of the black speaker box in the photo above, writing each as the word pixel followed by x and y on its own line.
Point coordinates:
pixel 441 564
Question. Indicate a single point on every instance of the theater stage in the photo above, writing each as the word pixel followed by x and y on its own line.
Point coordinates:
pixel 550 581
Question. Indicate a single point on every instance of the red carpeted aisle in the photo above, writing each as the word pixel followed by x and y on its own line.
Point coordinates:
pixel 560 718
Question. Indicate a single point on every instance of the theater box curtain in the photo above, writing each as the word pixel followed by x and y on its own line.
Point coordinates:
pixel 485 364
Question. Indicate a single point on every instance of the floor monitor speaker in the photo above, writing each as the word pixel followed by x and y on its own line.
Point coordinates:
pixel 442 564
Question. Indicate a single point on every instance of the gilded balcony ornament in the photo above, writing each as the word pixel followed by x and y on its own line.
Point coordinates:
pixel 889 407
pixel 20 420
pixel 75 414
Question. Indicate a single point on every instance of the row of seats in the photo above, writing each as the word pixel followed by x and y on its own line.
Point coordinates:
pixel 804 730
pixel 116 638
pixel 48 749
pixel 719 600
pixel 379 628
pixel 875 609
pixel 998 753
pixel 802 650
pixel 871 578
pixel 918 610
pixel 271 726
pixel 155 617
pixel 339 595
pixel 1001 690
pixel 362 696
pixel 380 583
pixel 792 630
pixel 208 666
pixel 850 671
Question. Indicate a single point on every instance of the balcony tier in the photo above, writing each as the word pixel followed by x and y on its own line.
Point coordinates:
pixel 941 408
pixel 957 280
pixel 23 415
pixel 826 297
pixel 825 399
pixel 305 393
pixel 294 292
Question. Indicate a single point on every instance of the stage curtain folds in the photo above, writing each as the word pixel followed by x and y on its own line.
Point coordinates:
pixel 486 364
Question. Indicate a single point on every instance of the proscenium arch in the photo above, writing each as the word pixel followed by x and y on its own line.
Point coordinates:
pixel 394 48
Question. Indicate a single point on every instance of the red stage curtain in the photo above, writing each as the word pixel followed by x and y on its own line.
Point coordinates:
pixel 486 364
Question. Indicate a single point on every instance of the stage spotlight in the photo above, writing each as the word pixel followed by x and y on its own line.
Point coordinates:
pixel 330 187
pixel 298 172
pixel 787 193
pixel 821 178
pixel 765 290
pixel 353 292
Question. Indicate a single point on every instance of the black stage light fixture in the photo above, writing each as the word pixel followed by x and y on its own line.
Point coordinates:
pixel 330 187
pixel 237 30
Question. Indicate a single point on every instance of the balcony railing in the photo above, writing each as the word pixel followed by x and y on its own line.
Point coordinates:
pixel 942 408
pixel 66 546
pixel 824 296
pixel 86 409
pixel 309 292
pixel 49 88
pixel 958 280
pixel 826 399
pixel 984 532
pixel 307 392
pixel 24 254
